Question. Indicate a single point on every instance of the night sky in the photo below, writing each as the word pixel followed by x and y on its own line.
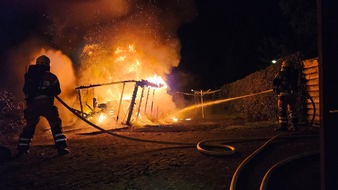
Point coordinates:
pixel 224 42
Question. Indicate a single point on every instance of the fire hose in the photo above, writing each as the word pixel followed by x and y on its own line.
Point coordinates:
pixel 227 149
pixel 268 174
pixel 314 108
pixel 115 134
pixel 202 145
pixel 264 182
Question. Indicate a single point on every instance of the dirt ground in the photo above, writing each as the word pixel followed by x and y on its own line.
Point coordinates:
pixel 103 161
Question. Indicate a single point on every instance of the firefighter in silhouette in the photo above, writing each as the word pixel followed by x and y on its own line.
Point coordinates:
pixel 40 88
pixel 285 85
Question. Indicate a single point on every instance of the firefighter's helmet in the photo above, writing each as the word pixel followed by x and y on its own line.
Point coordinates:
pixel 43 60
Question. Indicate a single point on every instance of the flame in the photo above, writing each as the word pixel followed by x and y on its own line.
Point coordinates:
pixel 158 81
pixel 128 61
pixel 124 40
pixel 131 48
pixel 134 66
pixel 102 117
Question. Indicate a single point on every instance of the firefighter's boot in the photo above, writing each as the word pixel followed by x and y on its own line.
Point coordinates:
pixel 63 151
pixel 292 127
pixel 21 154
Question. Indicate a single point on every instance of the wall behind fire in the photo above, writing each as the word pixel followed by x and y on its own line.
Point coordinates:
pixel 255 108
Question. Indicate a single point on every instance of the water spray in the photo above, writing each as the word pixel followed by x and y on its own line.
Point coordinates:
pixel 221 101
pixel 201 94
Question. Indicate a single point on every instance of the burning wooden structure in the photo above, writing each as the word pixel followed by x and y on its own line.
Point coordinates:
pixel 99 108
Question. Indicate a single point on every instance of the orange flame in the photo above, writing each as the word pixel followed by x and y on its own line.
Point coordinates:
pixel 158 81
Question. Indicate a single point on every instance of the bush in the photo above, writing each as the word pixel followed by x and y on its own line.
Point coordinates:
pixel 11 116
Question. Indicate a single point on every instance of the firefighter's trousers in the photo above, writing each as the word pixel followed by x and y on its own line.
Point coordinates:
pixel 287 110
pixel 41 107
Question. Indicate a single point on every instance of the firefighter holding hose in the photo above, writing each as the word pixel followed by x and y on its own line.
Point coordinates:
pixel 40 88
pixel 285 85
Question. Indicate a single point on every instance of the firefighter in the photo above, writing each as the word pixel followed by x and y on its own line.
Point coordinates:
pixel 40 88
pixel 285 85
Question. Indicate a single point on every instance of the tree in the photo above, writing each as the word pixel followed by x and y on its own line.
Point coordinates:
pixel 298 31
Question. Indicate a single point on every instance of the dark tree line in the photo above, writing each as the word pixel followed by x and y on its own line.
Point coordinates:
pixel 298 32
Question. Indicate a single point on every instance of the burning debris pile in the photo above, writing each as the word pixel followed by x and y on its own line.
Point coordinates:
pixel 129 69
pixel 110 110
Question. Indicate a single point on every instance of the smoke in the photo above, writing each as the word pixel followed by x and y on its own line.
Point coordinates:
pixel 97 41
pixel 136 46
pixel 61 65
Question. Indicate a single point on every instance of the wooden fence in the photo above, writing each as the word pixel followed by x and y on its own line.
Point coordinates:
pixel 311 72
